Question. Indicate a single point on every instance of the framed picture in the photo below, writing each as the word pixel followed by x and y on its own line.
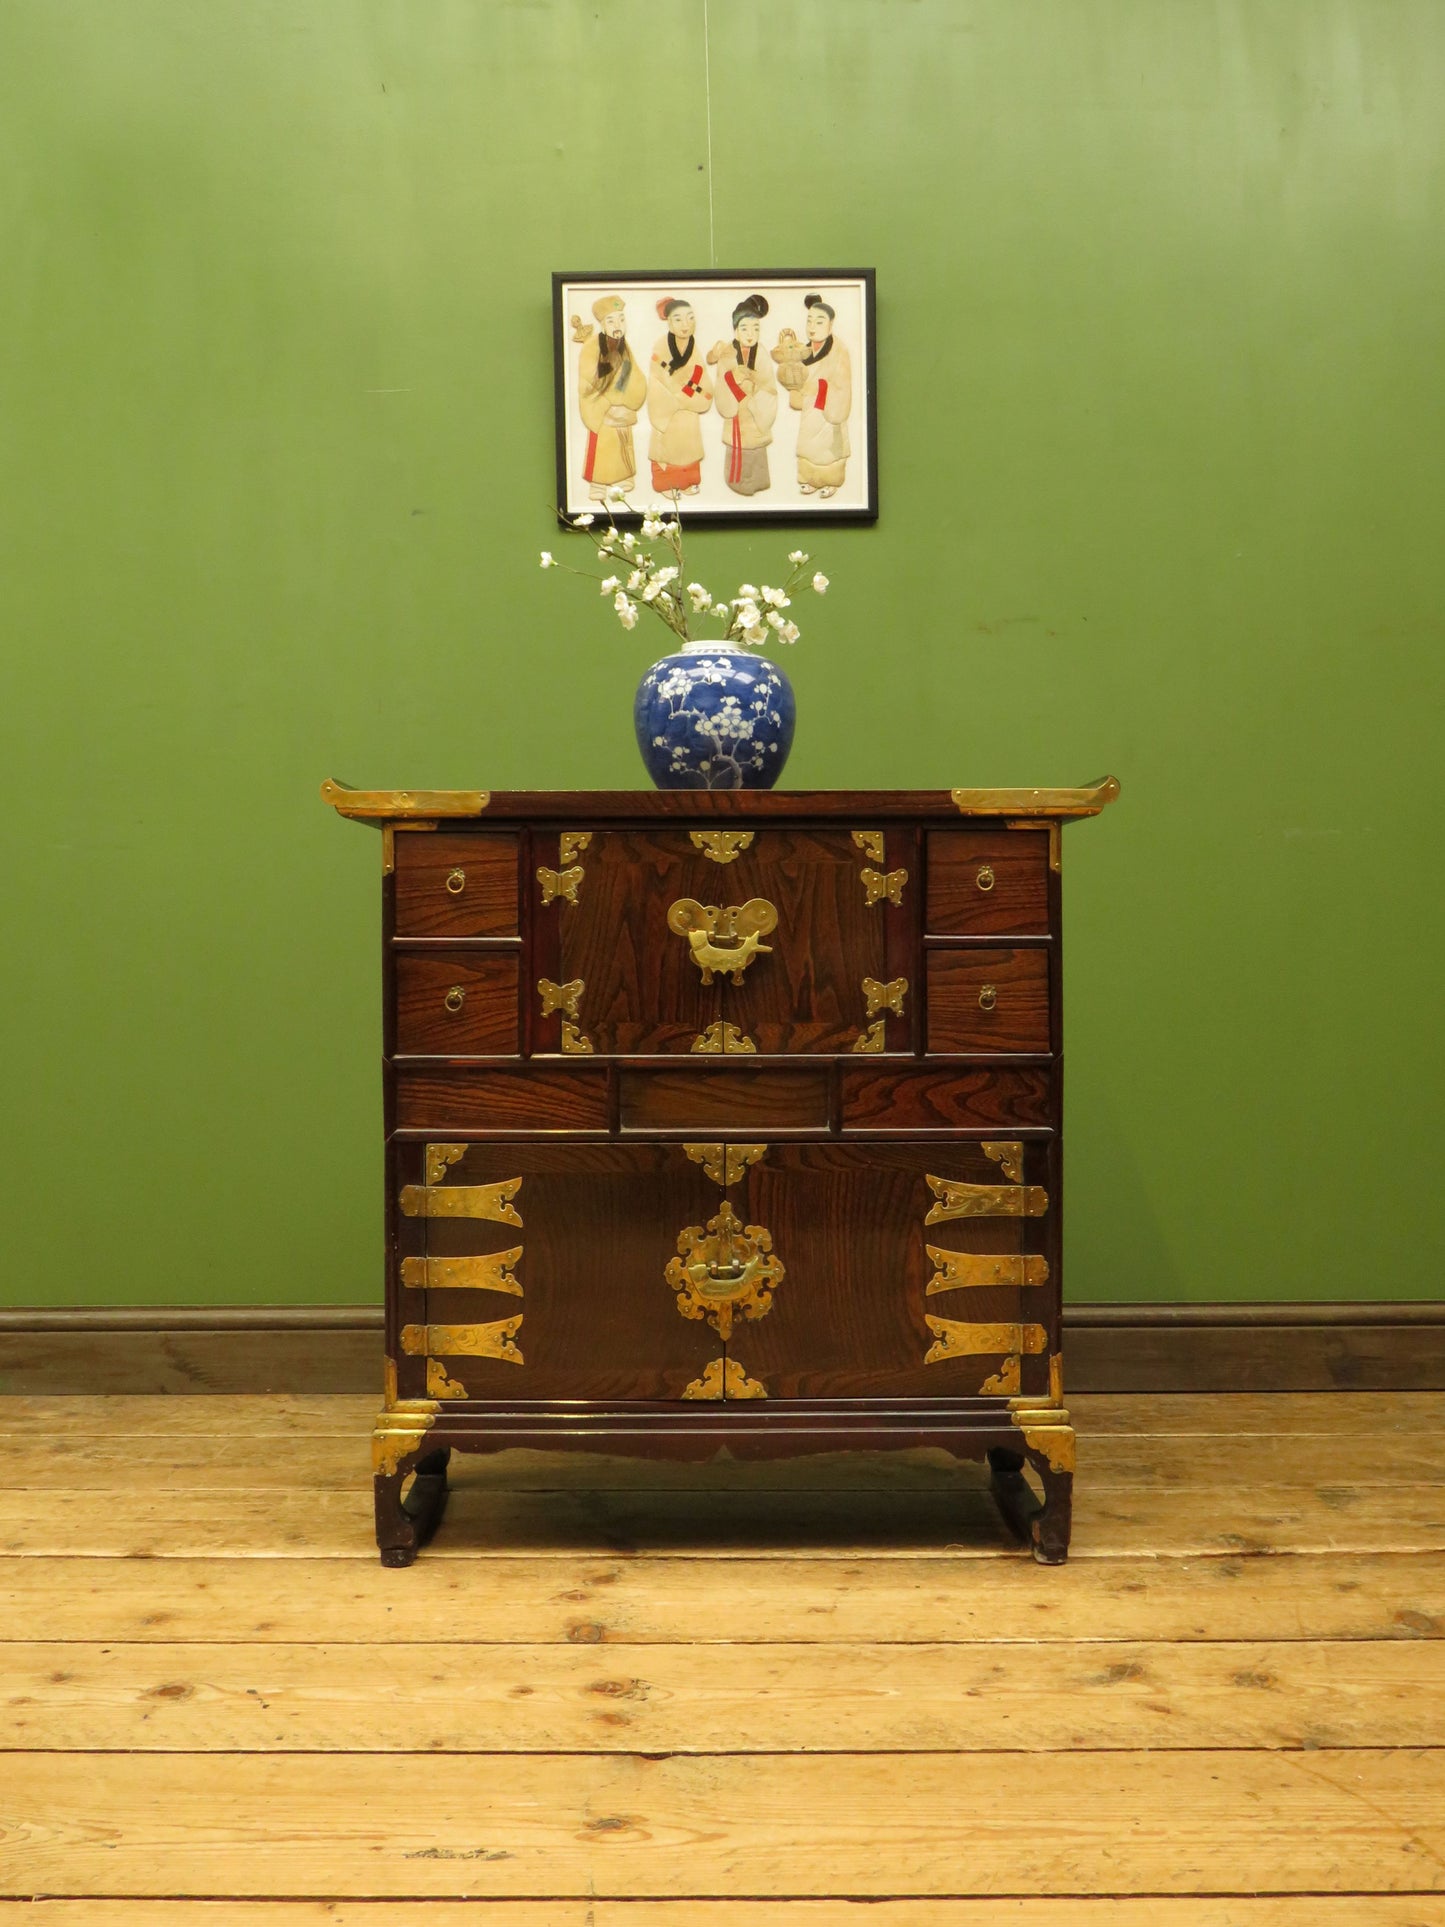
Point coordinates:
pixel 749 397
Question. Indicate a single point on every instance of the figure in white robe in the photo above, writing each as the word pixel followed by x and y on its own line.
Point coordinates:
pixel 824 403
pixel 611 388
pixel 747 400
pixel 679 392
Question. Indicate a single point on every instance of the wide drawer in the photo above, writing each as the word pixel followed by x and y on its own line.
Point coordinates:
pixel 718 1268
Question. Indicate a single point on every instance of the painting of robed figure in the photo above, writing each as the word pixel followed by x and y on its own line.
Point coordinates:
pixel 755 394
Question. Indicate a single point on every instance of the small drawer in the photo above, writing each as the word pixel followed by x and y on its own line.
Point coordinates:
pixel 988 999
pixel 455 886
pixel 984 883
pixel 456 1006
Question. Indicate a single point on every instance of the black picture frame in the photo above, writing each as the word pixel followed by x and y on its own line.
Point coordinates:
pixel 572 294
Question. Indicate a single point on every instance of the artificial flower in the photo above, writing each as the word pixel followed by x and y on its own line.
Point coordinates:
pixel 820 583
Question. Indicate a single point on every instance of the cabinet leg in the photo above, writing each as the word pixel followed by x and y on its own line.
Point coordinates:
pixel 1044 1527
pixel 1050 1526
pixel 403 1526
pixel 1011 1490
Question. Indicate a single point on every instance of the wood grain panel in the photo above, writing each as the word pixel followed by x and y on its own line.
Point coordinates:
pixel 904 1097
pixel 643 992
pixel 988 882
pixel 543 1097
pixel 1194 1822
pixel 483 904
pixel 807 994
pixel 959 982
pixel 599 1225
pixel 956 1697
pixel 616 1600
pixel 848 1223
pixel 486 1023
pixel 734 1101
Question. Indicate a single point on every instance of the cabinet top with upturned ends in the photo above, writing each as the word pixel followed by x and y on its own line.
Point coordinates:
pixel 390 806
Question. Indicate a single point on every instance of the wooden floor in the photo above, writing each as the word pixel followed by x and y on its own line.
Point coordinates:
pixel 822 1694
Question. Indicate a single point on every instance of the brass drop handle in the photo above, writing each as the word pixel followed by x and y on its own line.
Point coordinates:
pixel 988 997
pixel 986 877
pixel 456 883
pixel 455 998
pixel 724 940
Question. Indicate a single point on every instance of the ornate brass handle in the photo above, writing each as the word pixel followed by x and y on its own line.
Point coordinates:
pixel 988 997
pixel 986 877
pixel 727 939
pixel 456 883
pixel 455 998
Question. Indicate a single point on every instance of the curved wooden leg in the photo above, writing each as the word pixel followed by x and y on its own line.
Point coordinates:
pixel 403 1526
pixel 1050 1525
pixel 1012 1492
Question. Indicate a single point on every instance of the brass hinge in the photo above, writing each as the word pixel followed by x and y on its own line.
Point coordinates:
pixel 492 1272
pixel 563 997
pixel 960 1269
pixel 985 1200
pixel 496 1340
pixel 490 1201
pixel 876 886
pixel 887 996
pixel 955 1339
pixel 560 883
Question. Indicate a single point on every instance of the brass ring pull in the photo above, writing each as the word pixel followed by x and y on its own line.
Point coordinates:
pixel 724 940
pixel 988 997
pixel 456 883
pixel 986 877
pixel 455 998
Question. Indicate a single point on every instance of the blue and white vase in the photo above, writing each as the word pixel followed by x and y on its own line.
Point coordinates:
pixel 712 716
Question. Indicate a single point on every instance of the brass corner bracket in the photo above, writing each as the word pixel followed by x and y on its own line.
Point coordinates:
pixel 724 1378
pixel 725 1163
pixel 722 846
pixel 723 1039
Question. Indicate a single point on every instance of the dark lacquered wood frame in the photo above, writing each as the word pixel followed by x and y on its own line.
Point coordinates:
pixel 699 277
pixel 415 1435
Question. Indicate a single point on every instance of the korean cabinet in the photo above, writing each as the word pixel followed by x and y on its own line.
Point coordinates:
pixel 722 1120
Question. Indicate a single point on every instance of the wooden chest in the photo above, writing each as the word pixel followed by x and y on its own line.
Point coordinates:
pixel 722 1121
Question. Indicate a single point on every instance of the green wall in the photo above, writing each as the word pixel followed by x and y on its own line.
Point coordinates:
pixel 1160 287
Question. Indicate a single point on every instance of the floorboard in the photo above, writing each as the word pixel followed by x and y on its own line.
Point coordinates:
pixel 618 1695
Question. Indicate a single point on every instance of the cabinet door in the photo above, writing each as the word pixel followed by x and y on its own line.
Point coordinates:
pixel 825 982
pixel 614 978
pixel 906 1270
pixel 539 1271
